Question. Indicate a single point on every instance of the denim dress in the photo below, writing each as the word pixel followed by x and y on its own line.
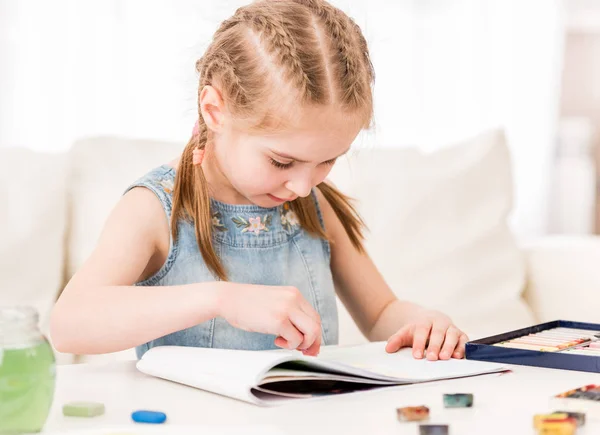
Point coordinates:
pixel 256 245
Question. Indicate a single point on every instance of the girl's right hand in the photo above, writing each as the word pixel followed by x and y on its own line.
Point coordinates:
pixel 277 310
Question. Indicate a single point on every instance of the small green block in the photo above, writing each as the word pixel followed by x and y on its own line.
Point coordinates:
pixel 461 400
pixel 83 409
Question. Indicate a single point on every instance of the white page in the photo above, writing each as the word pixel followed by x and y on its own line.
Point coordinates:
pixel 402 365
pixel 228 372
pixel 371 361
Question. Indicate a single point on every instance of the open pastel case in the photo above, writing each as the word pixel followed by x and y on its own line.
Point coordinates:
pixel 484 349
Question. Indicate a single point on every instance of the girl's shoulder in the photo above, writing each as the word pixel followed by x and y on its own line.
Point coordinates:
pixel 160 181
pixel 148 203
pixel 163 176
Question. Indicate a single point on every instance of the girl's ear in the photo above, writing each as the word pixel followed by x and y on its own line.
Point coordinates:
pixel 212 108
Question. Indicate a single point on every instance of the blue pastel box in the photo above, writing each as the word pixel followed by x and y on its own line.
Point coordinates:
pixel 483 350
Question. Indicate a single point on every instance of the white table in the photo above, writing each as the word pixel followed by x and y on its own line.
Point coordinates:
pixel 504 404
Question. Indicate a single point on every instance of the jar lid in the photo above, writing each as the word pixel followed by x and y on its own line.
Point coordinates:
pixel 18 315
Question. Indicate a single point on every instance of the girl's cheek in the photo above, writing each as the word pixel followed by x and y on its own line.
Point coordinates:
pixel 322 174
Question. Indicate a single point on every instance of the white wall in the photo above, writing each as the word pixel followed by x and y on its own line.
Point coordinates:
pixel 445 69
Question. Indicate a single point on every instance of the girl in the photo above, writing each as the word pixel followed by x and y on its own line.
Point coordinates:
pixel 240 242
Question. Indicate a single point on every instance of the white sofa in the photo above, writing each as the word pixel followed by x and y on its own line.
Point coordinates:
pixel 437 230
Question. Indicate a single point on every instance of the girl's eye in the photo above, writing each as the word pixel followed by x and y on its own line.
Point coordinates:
pixel 279 164
pixel 288 165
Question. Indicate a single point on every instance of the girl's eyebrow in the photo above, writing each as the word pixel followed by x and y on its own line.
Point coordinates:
pixel 285 156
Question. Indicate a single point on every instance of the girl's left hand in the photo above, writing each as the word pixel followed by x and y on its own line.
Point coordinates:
pixel 432 330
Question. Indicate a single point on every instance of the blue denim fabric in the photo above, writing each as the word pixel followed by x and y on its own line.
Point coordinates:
pixel 285 255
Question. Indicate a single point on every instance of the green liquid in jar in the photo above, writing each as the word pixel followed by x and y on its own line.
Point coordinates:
pixel 27 379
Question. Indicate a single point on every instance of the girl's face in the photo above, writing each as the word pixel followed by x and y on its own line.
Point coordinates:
pixel 272 168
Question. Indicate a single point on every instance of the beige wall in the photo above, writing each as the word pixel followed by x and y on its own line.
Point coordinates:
pixel 581 86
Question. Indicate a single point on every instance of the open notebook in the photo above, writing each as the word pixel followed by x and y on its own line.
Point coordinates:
pixel 272 377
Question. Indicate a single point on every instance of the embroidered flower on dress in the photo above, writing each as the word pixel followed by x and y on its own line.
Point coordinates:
pixel 253 225
pixel 292 219
pixel 167 185
pixel 216 222
pixel 289 219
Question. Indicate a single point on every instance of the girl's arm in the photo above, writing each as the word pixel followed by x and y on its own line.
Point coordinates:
pixel 374 307
pixel 101 311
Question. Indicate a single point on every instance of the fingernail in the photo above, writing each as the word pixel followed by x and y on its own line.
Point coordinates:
pixel 418 354
pixel 444 355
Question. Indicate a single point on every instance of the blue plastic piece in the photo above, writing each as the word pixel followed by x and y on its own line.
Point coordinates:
pixel 152 417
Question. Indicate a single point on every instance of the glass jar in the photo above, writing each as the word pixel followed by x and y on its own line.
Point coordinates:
pixel 27 372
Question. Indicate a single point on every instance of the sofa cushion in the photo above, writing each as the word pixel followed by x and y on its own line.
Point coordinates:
pixel 563 277
pixel 439 232
pixel 101 169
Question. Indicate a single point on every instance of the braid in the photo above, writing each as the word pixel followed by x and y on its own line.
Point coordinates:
pixel 281 45
pixel 343 32
pixel 230 23
pixel 364 51
pixel 202 136
pixel 221 65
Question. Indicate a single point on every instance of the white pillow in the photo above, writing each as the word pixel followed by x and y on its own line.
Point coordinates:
pixel 101 170
pixel 32 228
pixel 439 232
pixel 563 277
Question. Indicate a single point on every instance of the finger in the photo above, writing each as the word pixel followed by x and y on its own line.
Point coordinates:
pixel 314 349
pixel 450 342
pixel 402 338
pixel 308 327
pixel 289 333
pixel 309 310
pixel 436 339
pixel 281 342
pixel 459 351
pixel 420 339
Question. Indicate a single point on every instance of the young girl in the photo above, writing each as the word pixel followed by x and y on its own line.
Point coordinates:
pixel 240 242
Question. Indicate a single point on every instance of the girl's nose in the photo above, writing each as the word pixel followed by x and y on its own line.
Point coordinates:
pixel 300 186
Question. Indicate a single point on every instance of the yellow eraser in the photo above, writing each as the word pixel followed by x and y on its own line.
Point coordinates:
pixel 538 418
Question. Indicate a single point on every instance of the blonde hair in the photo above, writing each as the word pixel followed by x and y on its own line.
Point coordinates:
pixel 314 70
